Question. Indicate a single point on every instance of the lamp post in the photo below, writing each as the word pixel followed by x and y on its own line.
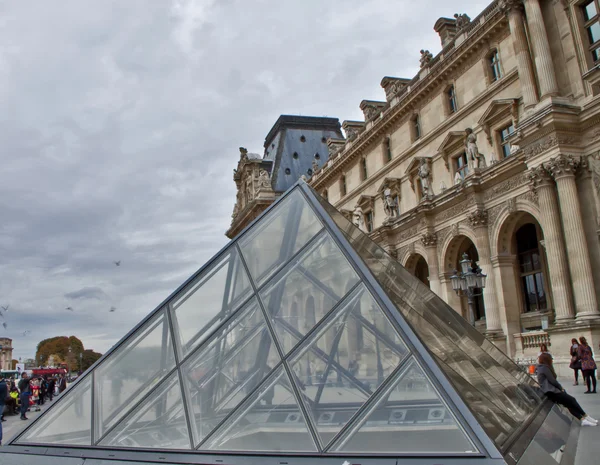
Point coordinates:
pixel 466 281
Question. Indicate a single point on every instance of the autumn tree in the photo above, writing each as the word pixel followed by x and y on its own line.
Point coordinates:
pixel 89 358
pixel 59 346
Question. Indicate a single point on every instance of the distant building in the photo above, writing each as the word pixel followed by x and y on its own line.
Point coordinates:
pixel 490 150
pixel 6 353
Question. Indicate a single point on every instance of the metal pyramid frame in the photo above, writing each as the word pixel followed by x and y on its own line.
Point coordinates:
pixel 301 341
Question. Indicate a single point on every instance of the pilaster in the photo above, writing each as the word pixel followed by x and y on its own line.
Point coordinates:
pixel 563 170
pixel 560 282
pixel 429 240
pixel 508 303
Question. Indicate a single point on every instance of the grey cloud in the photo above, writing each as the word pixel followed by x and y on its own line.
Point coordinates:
pixel 87 293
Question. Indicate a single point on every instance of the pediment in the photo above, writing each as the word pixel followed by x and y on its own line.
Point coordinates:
pixel 497 111
pixel 366 202
pixel 392 183
pixel 452 141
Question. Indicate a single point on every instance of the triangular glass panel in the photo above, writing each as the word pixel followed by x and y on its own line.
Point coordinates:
pixel 270 420
pixel 159 422
pixel 345 361
pixel 408 415
pixel 484 371
pixel 209 300
pixel 68 422
pixel 270 244
pixel 131 371
pixel 304 292
pixel 228 367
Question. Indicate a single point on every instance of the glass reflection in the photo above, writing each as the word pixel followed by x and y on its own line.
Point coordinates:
pixel 269 244
pixel 131 371
pixel 270 420
pixel 209 300
pixel 307 289
pixel 409 416
pixel 221 374
pixel 158 423
pixel 345 361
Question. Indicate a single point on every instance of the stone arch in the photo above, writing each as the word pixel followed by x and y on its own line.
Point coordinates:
pixel 417 265
pixel 449 249
pixel 502 230
pixel 416 248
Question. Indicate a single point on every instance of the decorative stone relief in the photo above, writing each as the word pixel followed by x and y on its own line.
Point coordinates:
pixel 426 57
pixel 563 165
pixel 455 210
pixel 478 218
pixel 454 229
pixel 358 218
pixel 424 173
pixel 474 158
pixel 370 112
pixel 411 248
pixel 507 5
pixel 401 251
pixel 530 196
pixel 493 213
pixel 429 239
pixel 511 205
pixel 315 166
pixel 594 164
pixel 462 20
pixel 408 233
pixel 264 180
pixel 503 187
pixel 538 176
pixel 547 143
pixel 390 205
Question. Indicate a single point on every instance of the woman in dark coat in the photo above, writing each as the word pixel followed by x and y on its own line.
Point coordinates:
pixel 575 364
pixel 588 365
pixel 554 391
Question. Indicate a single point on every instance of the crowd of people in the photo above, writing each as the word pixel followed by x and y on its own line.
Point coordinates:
pixel 19 396
pixel 582 358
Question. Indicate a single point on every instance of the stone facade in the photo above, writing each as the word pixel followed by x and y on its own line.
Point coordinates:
pixel 509 133
pixel 6 353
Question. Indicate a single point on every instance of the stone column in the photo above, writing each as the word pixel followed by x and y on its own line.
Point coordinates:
pixel 508 302
pixel 563 169
pixel 514 8
pixel 430 242
pixel 478 220
pixel 541 49
pixel 542 185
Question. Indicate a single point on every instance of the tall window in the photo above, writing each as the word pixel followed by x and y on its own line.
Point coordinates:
pixel 461 166
pixel 451 96
pixel 494 62
pixel 369 220
pixel 343 189
pixel 387 143
pixel 504 135
pixel 532 276
pixel 416 127
pixel 363 168
pixel 592 25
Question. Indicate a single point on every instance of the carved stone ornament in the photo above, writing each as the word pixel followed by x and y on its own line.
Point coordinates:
pixel 461 20
pixel 511 205
pixel 411 248
pixel 454 230
pixel 538 176
pixel 358 218
pixel 264 180
pixel 243 153
pixel 563 165
pixel 426 57
pixel 371 112
pixel 390 205
pixel 424 173
pixel 315 166
pixel 507 5
pixel 478 218
pixel 429 239
pixel 351 133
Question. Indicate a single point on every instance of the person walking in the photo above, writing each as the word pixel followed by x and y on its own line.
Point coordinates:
pixel 3 396
pixel 588 365
pixel 25 389
pixel 554 391
pixel 575 364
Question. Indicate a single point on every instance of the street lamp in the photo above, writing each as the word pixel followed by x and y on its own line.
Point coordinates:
pixel 466 281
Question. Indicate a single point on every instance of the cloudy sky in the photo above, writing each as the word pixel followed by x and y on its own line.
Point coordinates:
pixel 120 123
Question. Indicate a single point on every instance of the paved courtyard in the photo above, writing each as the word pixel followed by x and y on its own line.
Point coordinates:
pixel 588 449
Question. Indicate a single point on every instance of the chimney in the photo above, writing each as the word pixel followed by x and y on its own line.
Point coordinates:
pixel 446 28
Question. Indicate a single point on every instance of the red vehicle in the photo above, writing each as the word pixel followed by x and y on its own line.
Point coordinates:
pixel 48 371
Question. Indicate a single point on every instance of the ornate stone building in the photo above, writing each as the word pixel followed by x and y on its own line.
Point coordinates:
pixel 6 351
pixel 491 150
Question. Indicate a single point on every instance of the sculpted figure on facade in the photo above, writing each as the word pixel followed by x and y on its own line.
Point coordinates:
pixel 315 166
pixel 426 57
pixel 474 158
pixel 425 178
pixel 457 178
pixel 389 204
pixel 264 180
pixel 461 20
pixel 358 218
pixel 243 153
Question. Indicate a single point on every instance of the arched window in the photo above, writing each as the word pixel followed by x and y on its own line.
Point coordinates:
pixel 531 270
pixel 494 66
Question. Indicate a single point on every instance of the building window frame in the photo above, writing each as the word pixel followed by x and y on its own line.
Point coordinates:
pixel 364 172
pixel 343 186
pixel 369 220
pixel 387 149
pixel 590 22
pixel 416 129
pixel 460 164
pixel 533 278
pixel 503 135
pixel 493 65
pixel 451 100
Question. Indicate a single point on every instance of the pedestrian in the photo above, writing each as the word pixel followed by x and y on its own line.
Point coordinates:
pixel 544 350
pixel 546 377
pixel 3 396
pixel 51 386
pixel 575 364
pixel 588 365
pixel 42 391
pixel 25 390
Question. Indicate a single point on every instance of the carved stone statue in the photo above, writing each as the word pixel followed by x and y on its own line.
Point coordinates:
pixel 236 210
pixel 358 218
pixel 243 153
pixel 315 166
pixel 474 158
pixel 514 148
pixel 389 204
pixel 264 180
pixel 426 57
pixel 425 178
pixel 443 186
pixel 461 20
pixel 457 178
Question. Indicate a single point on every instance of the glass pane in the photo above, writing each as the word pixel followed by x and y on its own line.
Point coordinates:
pixel 270 420
pixel 69 421
pixel 478 369
pixel 550 440
pixel 594 32
pixel 209 300
pixel 345 361
pixel 409 417
pixel 278 236
pixel 223 372
pixel 589 10
pixel 158 423
pixel 130 372
pixel 309 275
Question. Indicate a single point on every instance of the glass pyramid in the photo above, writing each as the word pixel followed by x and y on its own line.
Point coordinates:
pixel 301 338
